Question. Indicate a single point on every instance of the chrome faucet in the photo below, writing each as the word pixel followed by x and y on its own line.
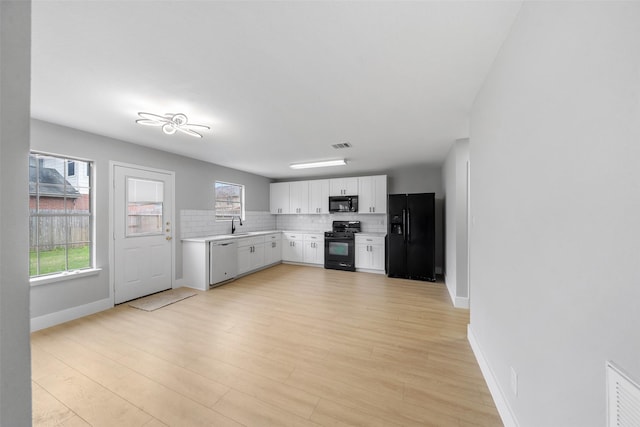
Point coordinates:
pixel 233 227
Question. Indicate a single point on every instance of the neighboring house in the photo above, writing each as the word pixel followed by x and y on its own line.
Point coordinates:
pixel 56 193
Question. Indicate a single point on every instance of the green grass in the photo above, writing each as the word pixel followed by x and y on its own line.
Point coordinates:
pixel 54 261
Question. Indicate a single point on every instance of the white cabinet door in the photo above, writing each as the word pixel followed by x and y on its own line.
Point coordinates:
pixel 257 256
pixel 279 197
pixel 272 248
pixel 313 249
pixel 319 196
pixel 299 197
pixel 363 260
pixel 244 259
pixel 343 187
pixel 372 194
pixel 250 254
pixel 292 248
pixel 377 257
pixel 370 253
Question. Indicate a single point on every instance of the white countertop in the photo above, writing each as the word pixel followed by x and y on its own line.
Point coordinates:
pixel 205 239
pixel 230 236
pixel 371 234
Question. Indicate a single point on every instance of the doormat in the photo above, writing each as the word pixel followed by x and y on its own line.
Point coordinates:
pixel 162 299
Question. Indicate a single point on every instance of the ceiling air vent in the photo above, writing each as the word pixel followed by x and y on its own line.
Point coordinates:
pixel 623 397
pixel 341 145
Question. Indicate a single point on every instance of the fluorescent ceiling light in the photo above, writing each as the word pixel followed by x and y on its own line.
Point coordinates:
pixel 322 164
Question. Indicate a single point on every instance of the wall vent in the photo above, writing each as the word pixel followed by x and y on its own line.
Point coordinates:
pixel 341 145
pixel 623 398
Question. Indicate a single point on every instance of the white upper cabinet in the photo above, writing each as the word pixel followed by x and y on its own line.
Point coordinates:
pixel 312 197
pixel 343 187
pixel 299 197
pixel 279 198
pixel 372 195
pixel 319 196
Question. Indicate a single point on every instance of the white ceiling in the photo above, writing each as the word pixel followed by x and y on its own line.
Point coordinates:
pixel 278 82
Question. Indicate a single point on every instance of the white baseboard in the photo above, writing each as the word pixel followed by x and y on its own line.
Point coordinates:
pixel 73 313
pixel 461 302
pixel 458 302
pixel 366 270
pixel 508 419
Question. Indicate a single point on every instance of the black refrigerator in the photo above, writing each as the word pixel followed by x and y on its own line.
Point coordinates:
pixel 411 241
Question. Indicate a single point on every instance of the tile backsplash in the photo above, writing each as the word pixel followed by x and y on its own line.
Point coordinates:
pixel 199 223
pixel 372 223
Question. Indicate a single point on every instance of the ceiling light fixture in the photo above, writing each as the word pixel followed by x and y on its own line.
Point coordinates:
pixel 322 164
pixel 171 123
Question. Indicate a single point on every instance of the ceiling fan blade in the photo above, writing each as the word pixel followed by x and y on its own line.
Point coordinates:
pixel 189 132
pixel 150 116
pixel 148 122
pixel 197 126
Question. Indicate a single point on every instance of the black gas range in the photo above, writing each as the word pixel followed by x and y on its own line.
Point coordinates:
pixel 339 245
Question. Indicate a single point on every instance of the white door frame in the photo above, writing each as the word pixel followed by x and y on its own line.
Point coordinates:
pixel 172 178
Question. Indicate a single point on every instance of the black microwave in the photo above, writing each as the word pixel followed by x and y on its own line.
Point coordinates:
pixel 343 204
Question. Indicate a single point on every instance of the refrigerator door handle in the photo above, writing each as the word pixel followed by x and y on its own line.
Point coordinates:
pixel 408 225
pixel 404 224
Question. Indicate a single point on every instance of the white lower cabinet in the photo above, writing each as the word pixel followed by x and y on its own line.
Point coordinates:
pixel 313 248
pixel 250 254
pixel 370 253
pixel 272 248
pixel 293 247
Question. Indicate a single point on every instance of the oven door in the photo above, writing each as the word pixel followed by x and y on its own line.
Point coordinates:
pixel 339 253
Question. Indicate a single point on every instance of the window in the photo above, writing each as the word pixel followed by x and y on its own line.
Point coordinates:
pixel 229 200
pixel 60 217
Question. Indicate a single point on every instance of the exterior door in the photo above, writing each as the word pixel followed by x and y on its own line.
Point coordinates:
pixel 143 230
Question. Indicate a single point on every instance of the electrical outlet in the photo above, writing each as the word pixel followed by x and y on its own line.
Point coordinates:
pixel 514 381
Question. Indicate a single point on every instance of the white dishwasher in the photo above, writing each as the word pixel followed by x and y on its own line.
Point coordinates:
pixel 223 261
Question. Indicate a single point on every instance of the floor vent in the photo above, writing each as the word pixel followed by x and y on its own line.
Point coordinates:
pixel 623 398
pixel 341 145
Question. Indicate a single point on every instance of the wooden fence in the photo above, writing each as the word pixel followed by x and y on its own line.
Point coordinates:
pixel 50 230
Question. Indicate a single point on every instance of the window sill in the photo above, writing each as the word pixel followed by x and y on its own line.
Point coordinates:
pixel 61 277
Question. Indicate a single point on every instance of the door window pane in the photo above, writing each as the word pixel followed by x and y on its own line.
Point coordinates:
pixel 145 205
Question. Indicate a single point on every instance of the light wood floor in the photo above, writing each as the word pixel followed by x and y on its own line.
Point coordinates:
pixel 287 346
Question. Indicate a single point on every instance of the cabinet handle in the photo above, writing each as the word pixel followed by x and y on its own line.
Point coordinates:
pixel 374 209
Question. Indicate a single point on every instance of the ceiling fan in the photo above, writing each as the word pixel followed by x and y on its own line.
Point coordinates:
pixel 171 123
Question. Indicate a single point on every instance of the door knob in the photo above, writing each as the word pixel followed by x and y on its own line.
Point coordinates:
pixel 168 237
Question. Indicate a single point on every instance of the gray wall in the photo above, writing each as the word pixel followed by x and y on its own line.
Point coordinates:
pixel 454 176
pixel 194 190
pixel 15 357
pixel 555 202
